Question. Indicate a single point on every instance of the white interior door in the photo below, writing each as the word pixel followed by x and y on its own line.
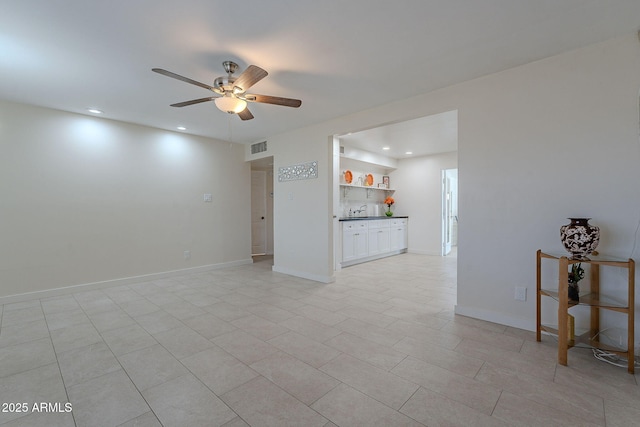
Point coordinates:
pixel 258 212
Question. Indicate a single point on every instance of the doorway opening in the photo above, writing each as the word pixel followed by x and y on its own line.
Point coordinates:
pixel 262 208
pixel 407 158
pixel 449 211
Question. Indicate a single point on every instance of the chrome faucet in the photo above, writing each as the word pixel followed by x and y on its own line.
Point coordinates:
pixel 362 208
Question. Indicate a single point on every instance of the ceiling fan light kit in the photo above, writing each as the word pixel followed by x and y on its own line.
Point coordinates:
pixel 230 104
pixel 232 97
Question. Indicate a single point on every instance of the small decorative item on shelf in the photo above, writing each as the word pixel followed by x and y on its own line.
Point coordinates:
pixel 579 237
pixel 389 201
pixel 575 275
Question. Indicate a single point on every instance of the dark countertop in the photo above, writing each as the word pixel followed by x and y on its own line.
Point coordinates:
pixel 367 218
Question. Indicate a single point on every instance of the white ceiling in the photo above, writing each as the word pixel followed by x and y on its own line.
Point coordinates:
pixel 338 56
pixel 412 138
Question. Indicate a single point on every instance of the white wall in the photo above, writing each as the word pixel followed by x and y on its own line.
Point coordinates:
pixel 86 200
pixel 537 144
pixel 418 184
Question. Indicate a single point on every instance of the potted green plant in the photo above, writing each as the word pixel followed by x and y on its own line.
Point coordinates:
pixel 575 275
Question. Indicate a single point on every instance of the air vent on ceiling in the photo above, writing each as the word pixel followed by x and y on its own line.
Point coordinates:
pixel 259 147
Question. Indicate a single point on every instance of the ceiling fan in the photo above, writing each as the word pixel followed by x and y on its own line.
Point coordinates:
pixel 232 91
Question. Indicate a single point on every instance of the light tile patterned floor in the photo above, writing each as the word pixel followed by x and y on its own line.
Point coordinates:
pixel 246 346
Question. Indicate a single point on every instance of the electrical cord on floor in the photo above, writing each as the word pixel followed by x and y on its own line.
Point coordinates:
pixel 605 356
pixel 612 359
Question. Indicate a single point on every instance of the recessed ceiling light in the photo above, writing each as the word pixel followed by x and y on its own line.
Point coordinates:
pixel 181 128
pixel 386 148
pixel 409 152
pixel 94 111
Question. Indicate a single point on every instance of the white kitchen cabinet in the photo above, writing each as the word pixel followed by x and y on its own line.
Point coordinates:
pixel 366 240
pixel 378 237
pixel 398 234
pixel 355 240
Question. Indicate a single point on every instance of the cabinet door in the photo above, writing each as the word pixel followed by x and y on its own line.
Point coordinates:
pixel 361 244
pixel 398 237
pixel 348 245
pixel 378 241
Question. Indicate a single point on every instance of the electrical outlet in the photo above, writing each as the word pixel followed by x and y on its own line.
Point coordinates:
pixel 520 293
pixel 208 198
pixel 187 255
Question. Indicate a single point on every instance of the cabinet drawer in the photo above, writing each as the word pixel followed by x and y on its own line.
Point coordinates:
pixel 354 225
pixel 398 221
pixel 379 223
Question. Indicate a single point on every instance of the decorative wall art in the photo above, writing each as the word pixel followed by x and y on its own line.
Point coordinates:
pixel 308 170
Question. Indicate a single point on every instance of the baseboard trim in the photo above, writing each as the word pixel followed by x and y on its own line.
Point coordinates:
pixel 304 275
pixel 48 293
pixel 492 316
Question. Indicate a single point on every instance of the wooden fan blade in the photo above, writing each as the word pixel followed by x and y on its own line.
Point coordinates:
pixel 245 114
pixel 276 100
pixel 193 101
pixel 249 77
pixel 179 77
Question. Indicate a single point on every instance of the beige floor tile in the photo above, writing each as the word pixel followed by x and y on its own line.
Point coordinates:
pixel 24 332
pixel 145 420
pixel 270 312
pixel 618 415
pixel 584 406
pixel 59 304
pixel 433 409
pixel 21 314
pixel 85 363
pixel 208 325
pixel 128 339
pixel 302 381
pixel 185 401
pixel 324 303
pixel 439 356
pixel 110 399
pixel 43 384
pixel 43 419
pixel 518 411
pixel 107 320
pixel 236 422
pixel 183 310
pixel 376 354
pixel 183 342
pixel 259 327
pixel 261 403
pixel 25 356
pixel 307 350
pixel 226 311
pixel 346 406
pixel 67 319
pixel 151 366
pixel 321 315
pixel 245 347
pixel 218 370
pixel 467 391
pixel 138 307
pixel 310 328
pixel 383 386
pixel 374 318
pixel 74 336
pixel 158 321
pixel 122 294
pixel 369 331
pixel 428 335
pixel 483 335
